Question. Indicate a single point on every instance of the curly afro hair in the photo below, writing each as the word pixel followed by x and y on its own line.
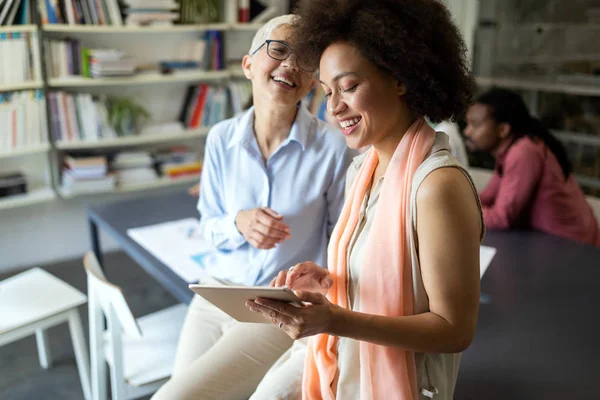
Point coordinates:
pixel 415 41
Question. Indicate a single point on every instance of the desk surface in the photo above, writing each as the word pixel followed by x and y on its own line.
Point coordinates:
pixel 536 339
pixel 116 218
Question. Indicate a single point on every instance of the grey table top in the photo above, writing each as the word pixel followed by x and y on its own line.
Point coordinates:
pixel 116 218
pixel 536 339
pixel 538 336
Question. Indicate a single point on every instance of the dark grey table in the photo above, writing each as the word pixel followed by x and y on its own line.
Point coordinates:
pixel 116 218
pixel 538 337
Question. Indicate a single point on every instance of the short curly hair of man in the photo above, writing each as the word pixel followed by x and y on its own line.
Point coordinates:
pixel 415 41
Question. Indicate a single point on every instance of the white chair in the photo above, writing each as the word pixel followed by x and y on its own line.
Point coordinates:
pixel 481 177
pixel 594 202
pixel 33 301
pixel 140 352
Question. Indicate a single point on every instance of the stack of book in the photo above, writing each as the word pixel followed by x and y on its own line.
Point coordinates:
pixel 19 57
pixel 107 63
pixel 69 57
pixel 16 12
pixel 203 106
pixel 133 167
pixel 22 119
pixel 86 174
pixel 151 12
pixel 179 162
pixel 75 12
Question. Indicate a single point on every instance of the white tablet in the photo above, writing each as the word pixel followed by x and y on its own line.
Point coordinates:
pixel 232 299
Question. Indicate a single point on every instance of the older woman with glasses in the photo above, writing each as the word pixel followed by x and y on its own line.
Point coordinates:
pixel 270 193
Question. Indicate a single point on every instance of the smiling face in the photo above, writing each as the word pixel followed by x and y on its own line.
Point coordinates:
pixel 366 101
pixel 280 82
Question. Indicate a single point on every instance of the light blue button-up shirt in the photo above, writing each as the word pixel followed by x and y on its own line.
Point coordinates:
pixel 303 180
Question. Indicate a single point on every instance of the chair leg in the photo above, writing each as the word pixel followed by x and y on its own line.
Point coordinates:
pixel 99 366
pixel 44 354
pixel 81 354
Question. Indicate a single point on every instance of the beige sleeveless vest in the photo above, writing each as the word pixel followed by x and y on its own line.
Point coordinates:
pixel 436 373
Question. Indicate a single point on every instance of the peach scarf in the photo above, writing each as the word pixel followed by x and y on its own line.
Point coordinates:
pixel 385 276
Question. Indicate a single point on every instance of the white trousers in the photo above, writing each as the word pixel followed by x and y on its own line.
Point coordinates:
pixel 220 358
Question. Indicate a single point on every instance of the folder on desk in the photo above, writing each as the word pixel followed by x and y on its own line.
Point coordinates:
pixel 179 246
pixel 486 254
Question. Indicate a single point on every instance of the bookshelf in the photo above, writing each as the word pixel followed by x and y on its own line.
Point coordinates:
pixel 24 151
pixel 160 93
pixel 13 87
pixel 18 28
pixel 550 56
pixel 24 146
pixel 109 29
pixel 156 184
pixel 35 196
pixel 541 85
pixel 147 78
pixel 249 27
pixel 133 141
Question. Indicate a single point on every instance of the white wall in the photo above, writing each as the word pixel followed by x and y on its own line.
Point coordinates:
pixel 53 231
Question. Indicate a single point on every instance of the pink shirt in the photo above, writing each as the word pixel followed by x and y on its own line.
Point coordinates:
pixel 533 193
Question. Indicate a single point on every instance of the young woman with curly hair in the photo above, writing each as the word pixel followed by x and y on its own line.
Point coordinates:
pixel 399 301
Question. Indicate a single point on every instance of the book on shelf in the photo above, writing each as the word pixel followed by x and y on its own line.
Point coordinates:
pixel 16 12
pixel 79 117
pixel 203 106
pixel 22 119
pixel 19 57
pixel 81 12
pixel 106 63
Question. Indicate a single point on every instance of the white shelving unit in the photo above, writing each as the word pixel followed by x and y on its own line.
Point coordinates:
pixel 35 196
pixel 539 85
pixel 21 86
pixel 18 28
pixel 24 151
pixel 555 42
pixel 76 29
pixel 26 159
pixel 133 140
pixel 156 184
pixel 62 28
pixel 146 78
pixel 149 80
pixel 250 27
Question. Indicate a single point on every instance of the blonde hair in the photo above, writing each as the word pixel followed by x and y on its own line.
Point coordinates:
pixel 265 31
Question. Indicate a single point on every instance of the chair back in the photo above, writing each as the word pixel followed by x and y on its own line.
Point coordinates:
pixel 107 296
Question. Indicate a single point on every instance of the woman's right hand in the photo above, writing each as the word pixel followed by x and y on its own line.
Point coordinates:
pixel 306 276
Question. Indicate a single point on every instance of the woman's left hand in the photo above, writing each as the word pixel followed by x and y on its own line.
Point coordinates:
pixel 314 316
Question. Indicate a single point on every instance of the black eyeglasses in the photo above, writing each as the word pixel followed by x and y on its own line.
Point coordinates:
pixel 280 51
